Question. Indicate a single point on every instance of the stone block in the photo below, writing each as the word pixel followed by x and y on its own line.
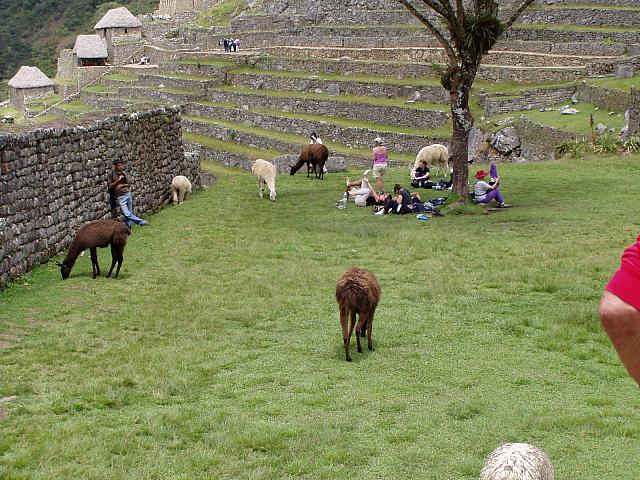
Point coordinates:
pixel 624 71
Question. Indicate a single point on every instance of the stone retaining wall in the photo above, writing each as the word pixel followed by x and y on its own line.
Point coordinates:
pixel 401 116
pixel 366 15
pixel 179 83
pixel 52 181
pixel 538 141
pixel 413 70
pixel 526 100
pixel 435 94
pixel 605 98
pixel 351 136
pixel 164 96
pixel 582 16
pixel 432 54
pixel 562 36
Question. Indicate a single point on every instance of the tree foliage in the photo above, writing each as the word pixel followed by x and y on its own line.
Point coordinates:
pixel 33 31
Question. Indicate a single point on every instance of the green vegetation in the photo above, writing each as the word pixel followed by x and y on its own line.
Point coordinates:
pixel 607 143
pixel 215 144
pixel 118 77
pixel 623 84
pixel 217 353
pixel 63 81
pixel 4 90
pixel 98 89
pixel 75 107
pixel 33 31
pixel 10 112
pixel 186 76
pixel 221 14
pixel 206 61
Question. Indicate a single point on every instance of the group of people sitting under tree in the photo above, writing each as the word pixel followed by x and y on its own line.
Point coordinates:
pixel 403 201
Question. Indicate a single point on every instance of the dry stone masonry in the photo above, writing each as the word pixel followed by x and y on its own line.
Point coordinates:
pixel 52 181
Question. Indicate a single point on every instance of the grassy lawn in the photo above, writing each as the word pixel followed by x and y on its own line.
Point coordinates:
pixel 221 14
pixel 98 89
pixel 623 84
pixel 578 123
pixel 218 353
pixel 76 107
pixel 120 78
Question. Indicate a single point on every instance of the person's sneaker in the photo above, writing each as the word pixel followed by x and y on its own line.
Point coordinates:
pixel 144 223
pixel 379 212
pixel 504 205
pixel 398 208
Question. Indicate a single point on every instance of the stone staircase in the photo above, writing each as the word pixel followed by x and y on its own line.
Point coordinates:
pixel 352 73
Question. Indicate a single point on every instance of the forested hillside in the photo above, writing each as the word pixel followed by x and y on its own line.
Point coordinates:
pixel 32 31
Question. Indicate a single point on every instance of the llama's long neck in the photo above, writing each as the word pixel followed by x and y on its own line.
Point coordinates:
pixel 297 166
pixel 72 254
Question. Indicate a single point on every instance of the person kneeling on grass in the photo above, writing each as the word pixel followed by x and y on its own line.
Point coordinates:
pixel 484 193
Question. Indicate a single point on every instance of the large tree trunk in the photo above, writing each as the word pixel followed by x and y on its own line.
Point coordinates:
pixel 462 123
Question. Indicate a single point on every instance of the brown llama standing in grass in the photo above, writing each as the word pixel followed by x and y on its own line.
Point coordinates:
pixel 99 233
pixel 357 292
pixel 315 156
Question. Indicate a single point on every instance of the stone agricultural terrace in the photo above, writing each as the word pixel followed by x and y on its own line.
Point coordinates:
pixel 352 70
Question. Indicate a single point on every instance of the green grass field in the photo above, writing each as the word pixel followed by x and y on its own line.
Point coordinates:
pixel 217 353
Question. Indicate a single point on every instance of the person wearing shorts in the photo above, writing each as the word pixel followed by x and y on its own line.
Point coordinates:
pixel 380 157
pixel 620 310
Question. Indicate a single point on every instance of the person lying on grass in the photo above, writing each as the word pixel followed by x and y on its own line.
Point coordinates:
pixel 402 202
pixel 362 192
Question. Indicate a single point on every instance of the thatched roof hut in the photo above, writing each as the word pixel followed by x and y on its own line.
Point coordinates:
pixel 90 47
pixel 29 83
pixel 30 77
pixel 118 18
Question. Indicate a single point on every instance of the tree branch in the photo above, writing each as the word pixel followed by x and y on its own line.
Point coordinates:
pixel 517 13
pixel 426 22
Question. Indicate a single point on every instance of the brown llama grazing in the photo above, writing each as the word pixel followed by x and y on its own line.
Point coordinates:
pixel 315 155
pixel 97 234
pixel 357 292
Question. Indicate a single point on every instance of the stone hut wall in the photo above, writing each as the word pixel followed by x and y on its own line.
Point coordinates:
pixel 67 63
pixel 53 181
pixel 18 96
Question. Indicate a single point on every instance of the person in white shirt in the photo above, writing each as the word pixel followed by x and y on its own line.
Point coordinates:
pixel 316 139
